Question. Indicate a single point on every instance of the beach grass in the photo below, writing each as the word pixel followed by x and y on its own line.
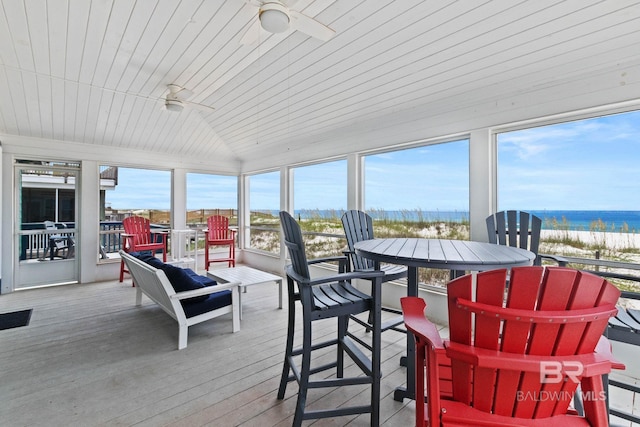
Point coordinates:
pixel 324 236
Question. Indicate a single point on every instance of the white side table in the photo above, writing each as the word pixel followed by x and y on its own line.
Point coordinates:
pixel 181 253
pixel 247 276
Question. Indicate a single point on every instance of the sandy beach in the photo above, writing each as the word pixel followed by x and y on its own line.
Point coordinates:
pixel 623 247
pixel 611 240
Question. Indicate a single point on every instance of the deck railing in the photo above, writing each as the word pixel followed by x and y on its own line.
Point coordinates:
pixel 35 240
pixel 110 239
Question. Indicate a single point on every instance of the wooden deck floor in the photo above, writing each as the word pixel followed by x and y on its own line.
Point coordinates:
pixel 91 357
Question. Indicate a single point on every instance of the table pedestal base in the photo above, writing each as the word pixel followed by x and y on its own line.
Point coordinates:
pixel 401 393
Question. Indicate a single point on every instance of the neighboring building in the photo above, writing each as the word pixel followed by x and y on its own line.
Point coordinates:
pixel 50 194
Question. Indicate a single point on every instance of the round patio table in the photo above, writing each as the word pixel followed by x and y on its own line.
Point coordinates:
pixel 456 255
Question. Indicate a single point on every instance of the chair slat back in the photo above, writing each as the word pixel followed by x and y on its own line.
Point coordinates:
pixel 358 226
pixel 140 228
pixel 548 297
pixel 518 229
pixel 295 244
pixel 218 228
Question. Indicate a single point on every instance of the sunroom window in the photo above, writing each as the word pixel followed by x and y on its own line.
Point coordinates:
pixel 130 191
pixel 319 199
pixel 581 178
pixel 264 203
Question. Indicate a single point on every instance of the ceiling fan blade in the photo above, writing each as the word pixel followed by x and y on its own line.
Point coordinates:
pixel 184 94
pixel 178 92
pixel 200 107
pixel 252 34
pixel 310 26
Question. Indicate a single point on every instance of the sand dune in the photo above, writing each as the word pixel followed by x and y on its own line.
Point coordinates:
pixel 611 240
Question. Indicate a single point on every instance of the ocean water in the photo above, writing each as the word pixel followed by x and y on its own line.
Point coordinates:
pixel 625 221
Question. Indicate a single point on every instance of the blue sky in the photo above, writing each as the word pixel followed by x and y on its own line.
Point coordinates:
pixel 430 178
pixel 204 190
pixel 141 189
pixel 582 165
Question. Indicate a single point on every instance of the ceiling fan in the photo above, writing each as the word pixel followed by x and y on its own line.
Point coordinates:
pixel 177 99
pixel 275 17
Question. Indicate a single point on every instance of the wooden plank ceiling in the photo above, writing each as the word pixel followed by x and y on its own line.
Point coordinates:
pixel 95 72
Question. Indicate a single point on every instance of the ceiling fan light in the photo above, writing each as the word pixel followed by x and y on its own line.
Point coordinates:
pixel 274 20
pixel 173 105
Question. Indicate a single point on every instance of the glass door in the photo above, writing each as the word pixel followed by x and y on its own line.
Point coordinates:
pixel 46 214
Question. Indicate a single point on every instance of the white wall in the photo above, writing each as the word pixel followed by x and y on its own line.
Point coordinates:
pixel 1 168
pixel 179 199
pixel 87 235
pixel 7 257
pixel 482 184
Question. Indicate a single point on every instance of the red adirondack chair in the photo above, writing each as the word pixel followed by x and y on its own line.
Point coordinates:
pixel 218 233
pixel 138 237
pixel 515 360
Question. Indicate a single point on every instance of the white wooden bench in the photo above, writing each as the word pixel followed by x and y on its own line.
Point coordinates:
pixel 154 283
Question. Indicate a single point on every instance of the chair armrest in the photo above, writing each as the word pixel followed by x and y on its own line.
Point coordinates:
pixel 344 277
pixel 163 233
pixel 343 262
pixel 127 240
pixel 327 259
pixel 205 291
pixel 604 348
pixel 416 321
pixel 334 277
pixel 562 262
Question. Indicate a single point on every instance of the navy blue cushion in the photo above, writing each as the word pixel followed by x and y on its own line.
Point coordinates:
pixel 181 279
pixel 212 302
pixel 148 258
pixel 203 280
pixel 155 262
